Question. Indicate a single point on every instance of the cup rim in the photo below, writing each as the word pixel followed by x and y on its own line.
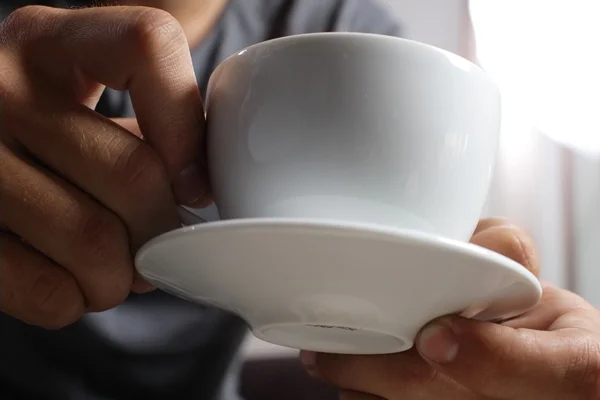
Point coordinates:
pixel 344 36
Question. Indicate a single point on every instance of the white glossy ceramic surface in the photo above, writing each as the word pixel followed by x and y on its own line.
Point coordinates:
pixel 332 287
pixel 353 127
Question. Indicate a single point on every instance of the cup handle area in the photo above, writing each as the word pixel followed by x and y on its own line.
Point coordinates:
pixel 188 218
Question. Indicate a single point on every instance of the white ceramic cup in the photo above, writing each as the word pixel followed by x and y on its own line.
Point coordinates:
pixel 314 135
pixel 353 127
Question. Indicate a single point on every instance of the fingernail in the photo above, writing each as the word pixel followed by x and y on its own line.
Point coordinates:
pixel 309 360
pixel 438 343
pixel 144 288
pixel 190 186
pixel 140 285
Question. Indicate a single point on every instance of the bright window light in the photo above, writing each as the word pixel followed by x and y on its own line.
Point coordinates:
pixel 545 56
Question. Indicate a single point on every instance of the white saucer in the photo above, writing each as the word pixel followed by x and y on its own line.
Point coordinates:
pixel 335 287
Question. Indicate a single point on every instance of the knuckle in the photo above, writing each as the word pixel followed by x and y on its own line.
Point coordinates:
pixel 23 23
pixel 34 290
pixel 103 248
pixel 523 248
pixel 56 299
pixel 511 242
pixel 141 170
pixel 583 370
pixel 518 245
pixel 100 237
pixel 158 33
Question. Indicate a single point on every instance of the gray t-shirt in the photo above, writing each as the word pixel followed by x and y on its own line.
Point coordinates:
pixel 155 346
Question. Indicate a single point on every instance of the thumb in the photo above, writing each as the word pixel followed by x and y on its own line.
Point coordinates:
pixel 497 361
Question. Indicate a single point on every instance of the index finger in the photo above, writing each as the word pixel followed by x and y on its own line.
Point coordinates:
pixel 142 50
pixel 502 237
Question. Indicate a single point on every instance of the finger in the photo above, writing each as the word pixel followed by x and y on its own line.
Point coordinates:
pixel 350 395
pixel 69 227
pixel 139 284
pixel 580 319
pixel 34 289
pixel 99 156
pixel 511 242
pixel 142 50
pixel 555 302
pixel 103 159
pixel 501 362
pixel 401 375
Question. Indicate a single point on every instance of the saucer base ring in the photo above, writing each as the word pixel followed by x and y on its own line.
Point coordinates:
pixel 325 338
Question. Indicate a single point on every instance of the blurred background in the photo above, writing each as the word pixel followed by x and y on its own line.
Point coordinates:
pixel 544 56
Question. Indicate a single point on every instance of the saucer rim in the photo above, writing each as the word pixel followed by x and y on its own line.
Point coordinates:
pixel 409 236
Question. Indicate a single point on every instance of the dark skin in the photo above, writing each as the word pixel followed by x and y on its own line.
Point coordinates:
pixel 80 193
